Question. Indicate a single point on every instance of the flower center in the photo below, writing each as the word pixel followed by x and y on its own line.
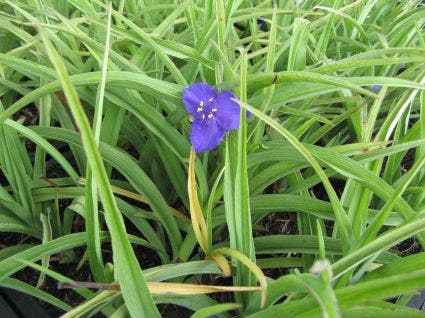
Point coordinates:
pixel 206 111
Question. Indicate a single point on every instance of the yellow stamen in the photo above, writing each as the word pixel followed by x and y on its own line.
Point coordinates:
pixel 199 109
pixel 203 116
pixel 214 110
pixel 201 103
pixel 211 99
pixel 210 115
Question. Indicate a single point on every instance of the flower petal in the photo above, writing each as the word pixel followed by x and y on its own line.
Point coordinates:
pixel 196 95
pixel 227 111
pixel 206 135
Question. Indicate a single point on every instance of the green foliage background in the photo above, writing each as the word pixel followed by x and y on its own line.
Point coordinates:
pixel 336 136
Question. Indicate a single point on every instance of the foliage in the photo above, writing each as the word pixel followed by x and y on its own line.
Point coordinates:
pixel 95 154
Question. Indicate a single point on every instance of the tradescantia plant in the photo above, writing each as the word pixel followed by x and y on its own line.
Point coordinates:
pixel 213 114
pixel 158 147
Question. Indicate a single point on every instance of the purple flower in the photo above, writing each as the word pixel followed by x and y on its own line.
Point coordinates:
pixel 375 88
pixel 213 114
